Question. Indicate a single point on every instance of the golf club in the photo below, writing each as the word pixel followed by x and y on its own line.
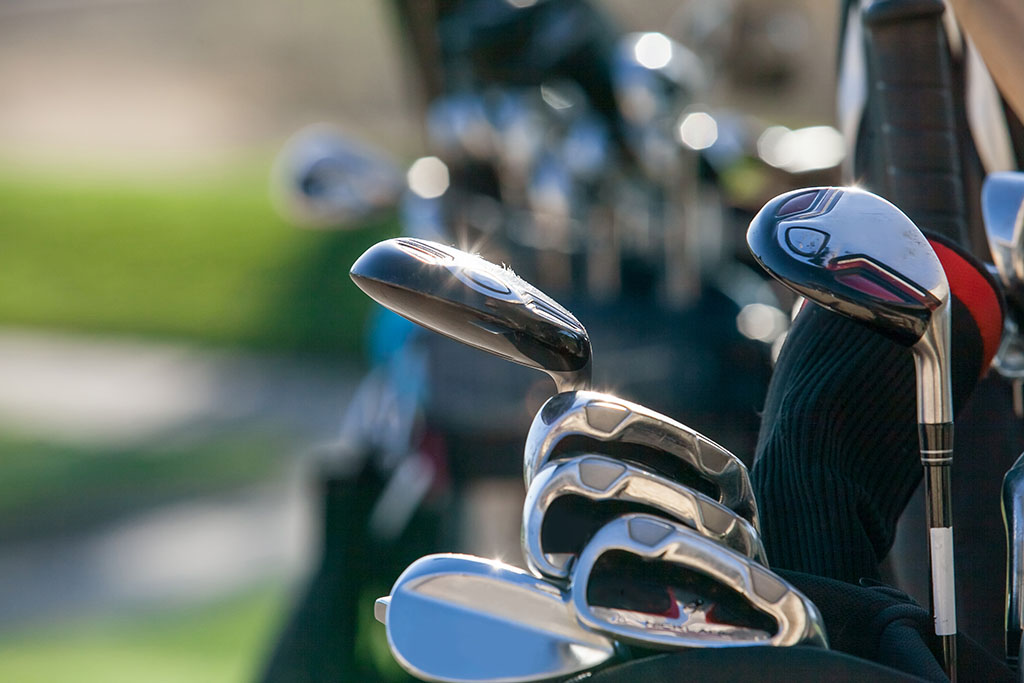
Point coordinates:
pixel 463 618
pixel 1013 519
pixel 1002 201
pixel 571 499
pixel 646 581
pixel 586 421
pixel 469 299
pixel 858 255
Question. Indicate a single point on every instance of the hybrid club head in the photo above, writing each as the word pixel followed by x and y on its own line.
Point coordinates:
pixel 569 500
pixel 589 421
pixel 1013 519
pixel 646 581
pixel 471 300
pixel 1002 207
pixel 856 254
pixel 462 618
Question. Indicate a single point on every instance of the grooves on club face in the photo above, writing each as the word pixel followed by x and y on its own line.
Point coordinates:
pixel 1002 207
pixel 463 618
pixel 684 590
pixel 570 500
pixel 471 300
pixel 855 253
pixel 588 421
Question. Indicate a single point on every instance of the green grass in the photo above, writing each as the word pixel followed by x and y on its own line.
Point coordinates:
pixel 223 641
pixel 50 488
pixel 203 259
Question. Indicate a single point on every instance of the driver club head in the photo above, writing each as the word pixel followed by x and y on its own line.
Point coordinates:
pixel 463 618
pixel 469 299
pixel 590 421
pixel 569 500
pixel 645 581
pixel 858 255
pixel 1002 207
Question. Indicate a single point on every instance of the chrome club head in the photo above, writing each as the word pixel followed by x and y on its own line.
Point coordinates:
pixel 589 421
pixel 463 618
pixel 471 300
pixel 325 178
pixel 571 499
pixel 855 253
pixel 646 581
pixel 1002 207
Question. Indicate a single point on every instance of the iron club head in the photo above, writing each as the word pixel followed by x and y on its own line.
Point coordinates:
pixel 571 499
pixel 463 618
pixel 589 421
pixel 644 580
pixel 471 300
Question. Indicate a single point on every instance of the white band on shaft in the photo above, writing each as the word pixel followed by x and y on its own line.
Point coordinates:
pixel 943 584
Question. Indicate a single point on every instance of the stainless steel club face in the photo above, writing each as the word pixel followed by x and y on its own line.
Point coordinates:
pixel 855 253
pixel 473 301
pixel 571 499
pixel 589 421
pixel 646 581
pixel 1013 519
pixel 1002 201
pixel 462 618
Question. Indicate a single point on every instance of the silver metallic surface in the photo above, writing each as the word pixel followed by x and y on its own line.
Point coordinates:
pixel 463 618
pixel 1002 207
pixel 931 362
pixel 656 540
pixel 602 479
pixel 1013 518
pixel 607 418
pixel 473 301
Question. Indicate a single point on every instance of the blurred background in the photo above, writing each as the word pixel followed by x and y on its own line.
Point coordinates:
pixel 172 349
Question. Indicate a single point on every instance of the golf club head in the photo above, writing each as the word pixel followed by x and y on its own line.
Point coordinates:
pixel 855 253
pixel 858 255
pixel 646 581
pixel 1013 519
pixel 463 618
pixel 325 178
pixel 471 300
pixel 569 500
pixel 1002 201
pixel 589 421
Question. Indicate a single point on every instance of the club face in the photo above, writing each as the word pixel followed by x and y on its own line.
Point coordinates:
pixel 1013 518
pixel 463 618
pixel 473 301
pixel 855 253
pixel 1002 198
pixel 583 421
pixel 569 500
pixel 684 590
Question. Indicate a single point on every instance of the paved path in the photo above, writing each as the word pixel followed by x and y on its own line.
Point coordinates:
pixel 116 393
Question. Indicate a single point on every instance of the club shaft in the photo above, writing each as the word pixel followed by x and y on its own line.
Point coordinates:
pixel 937 458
